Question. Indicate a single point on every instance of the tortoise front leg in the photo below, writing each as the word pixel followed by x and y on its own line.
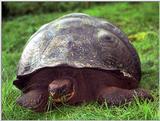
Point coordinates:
pixel 118 96
pixel 35 100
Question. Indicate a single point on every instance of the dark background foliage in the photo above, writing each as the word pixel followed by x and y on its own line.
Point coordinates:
pixel 12 9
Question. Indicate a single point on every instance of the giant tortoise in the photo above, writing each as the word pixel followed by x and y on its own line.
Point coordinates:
pixel 78 58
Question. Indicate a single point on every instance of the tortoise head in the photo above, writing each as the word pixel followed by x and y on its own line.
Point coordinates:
pixel 61 90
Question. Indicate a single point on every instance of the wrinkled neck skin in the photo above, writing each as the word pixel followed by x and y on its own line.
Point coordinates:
pixel 82 89
pixel 66 74
pixel 81 85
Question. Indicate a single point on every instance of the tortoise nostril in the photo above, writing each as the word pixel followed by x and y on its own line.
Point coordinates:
pixel 52 90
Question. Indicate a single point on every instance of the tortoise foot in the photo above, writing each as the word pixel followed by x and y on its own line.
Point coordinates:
pixel 35 100
pixel 115 96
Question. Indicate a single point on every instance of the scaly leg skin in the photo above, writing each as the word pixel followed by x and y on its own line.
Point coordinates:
pixel 115 96
pixel 35 100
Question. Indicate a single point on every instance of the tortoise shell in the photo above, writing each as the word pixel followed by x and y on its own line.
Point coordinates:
pixel 81 41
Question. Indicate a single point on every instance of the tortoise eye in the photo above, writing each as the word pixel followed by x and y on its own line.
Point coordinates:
pixel 64 89
pixel 61 90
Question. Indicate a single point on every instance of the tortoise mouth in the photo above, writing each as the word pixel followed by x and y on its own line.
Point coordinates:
pixel 62 98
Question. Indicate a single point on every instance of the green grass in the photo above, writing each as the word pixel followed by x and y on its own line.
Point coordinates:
pixel 138 21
